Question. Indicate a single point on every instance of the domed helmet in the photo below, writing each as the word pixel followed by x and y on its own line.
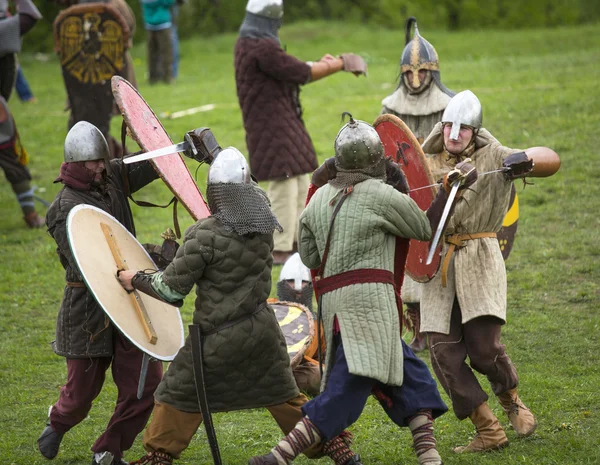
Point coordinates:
pixel 230 166
pixel 463 109
pixel 418 54
pixel 295 284
pixel 85 142
pixel 357 145
pixel 272 9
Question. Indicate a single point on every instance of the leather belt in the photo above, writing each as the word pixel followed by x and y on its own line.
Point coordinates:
pixel 75 284
pixel 459 240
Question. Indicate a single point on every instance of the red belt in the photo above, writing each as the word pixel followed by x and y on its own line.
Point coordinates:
pixel 363 275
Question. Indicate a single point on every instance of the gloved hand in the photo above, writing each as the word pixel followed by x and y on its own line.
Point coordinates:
pixel 204 146
pixel 324 173
pixel 395 176
pixel 464 173
pixel 354 64
pixel 517 165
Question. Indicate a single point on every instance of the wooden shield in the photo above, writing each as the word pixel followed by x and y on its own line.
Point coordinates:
pixel 298 327
pixel 90 40
pixel 508 232
pixel 400 144
pixel 92 234
pixel 149 133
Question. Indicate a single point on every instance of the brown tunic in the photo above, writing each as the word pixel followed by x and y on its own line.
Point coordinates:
pixel 268 80
pixel 476 274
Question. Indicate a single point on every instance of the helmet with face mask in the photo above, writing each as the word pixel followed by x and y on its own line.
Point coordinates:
pixel 418 54
pixel 464 109
pixel 85 142
pixel 295 284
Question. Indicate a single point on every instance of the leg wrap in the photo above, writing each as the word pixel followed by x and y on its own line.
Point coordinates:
pixel 155 458
pixel 421 427
pixel 338 448
pixel 304 435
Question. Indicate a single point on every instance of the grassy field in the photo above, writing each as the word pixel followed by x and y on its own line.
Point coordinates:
pixel 537 87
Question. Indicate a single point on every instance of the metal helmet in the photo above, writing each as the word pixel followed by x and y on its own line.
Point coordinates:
pixel 267 8
pixel 463 109
pixel 357 145
pixel 230 167
pixel 294 270
pixel 301 291
pixel 85 142
pixel 417 54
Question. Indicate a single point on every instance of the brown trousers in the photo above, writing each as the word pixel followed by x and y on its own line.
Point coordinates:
pixel 478 339
pixel 171 430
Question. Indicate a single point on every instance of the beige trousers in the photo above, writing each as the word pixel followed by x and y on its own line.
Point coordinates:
pixel 288 197
pixel 171 430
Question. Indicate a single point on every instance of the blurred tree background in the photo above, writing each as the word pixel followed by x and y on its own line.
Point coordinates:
pixel 208 17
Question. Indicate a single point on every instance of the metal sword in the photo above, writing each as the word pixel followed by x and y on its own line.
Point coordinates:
pixel 442 223
pixel 182 146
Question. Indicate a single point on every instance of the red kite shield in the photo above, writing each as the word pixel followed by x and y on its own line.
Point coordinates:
pixel 149 133
pixel 400 144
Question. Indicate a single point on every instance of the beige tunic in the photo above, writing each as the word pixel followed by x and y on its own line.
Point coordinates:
pixel 476 274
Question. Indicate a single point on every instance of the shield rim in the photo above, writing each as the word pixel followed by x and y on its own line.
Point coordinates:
pixel 70 217
pixel 393 119
pixel 115 82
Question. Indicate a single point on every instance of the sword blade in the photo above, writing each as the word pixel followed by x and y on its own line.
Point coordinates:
pixel 158 152
pixel 143 373
pixel 442 223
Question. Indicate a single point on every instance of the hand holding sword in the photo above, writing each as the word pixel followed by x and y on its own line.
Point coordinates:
pixel 199 144
pixel 462 176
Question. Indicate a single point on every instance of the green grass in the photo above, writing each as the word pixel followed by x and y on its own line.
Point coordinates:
pixel 537 87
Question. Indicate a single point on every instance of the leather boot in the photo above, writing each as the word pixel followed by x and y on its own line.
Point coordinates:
pixel 490 434
pixel 521 418
pixel 33 220
pixel 49 442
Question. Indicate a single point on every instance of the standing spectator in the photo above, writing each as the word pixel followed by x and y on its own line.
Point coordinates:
pixel 175 36
pixel 22 87
pixel 268 84
pixel 158 22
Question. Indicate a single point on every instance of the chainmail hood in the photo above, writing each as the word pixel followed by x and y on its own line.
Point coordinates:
pixel 242 208
pixel 260 27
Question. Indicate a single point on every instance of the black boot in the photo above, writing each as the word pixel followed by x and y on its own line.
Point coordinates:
pixel 354 460
pixel 49 442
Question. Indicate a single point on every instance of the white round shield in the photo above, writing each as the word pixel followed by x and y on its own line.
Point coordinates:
pixel 101 246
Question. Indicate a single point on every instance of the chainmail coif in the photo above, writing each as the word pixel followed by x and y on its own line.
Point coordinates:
pixel 242 208
pixel 346 177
